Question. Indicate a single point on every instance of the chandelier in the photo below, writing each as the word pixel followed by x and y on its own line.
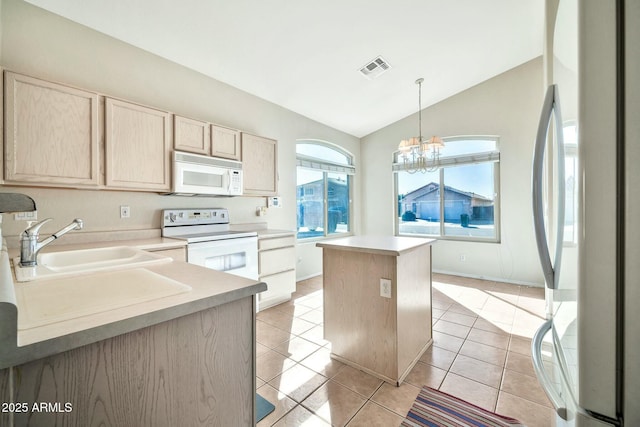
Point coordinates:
pixel 417 153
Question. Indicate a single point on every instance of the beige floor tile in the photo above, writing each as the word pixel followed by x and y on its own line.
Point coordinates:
pixel 314 300
pixel 501 302
pixel 423 374
pixel 259 382
pixel 462 309
pixel 273 316
pixel 301 417
pixel 471 391
pixel 314 316
pixel 441 303
pixel 297 348
pixel 315 335
pixel 492 326
pixel 536 292
pixel 272 364
pixel 520 345
pixel 372 415
pixel 460 319
pixel 486 353
pixel 269 335
pixel 261 349
pixel 447 342
pixel 526 324
pixel 535 306
pixel 322 363
pixel 450 328
pixel 437 313
pixel 529 413
pixel 298 382
pixel 489 338
pixel 520 363
pixel 438 357
pixel 334 403
pixel 291 309
pixel 495 316
pixel 282 403
pixel 358 381
pixel 397 399
pixel 477 370
pixel 524 386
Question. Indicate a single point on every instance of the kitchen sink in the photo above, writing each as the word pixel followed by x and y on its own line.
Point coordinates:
pixel 67 263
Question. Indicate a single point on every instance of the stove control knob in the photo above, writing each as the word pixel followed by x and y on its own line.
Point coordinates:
pixel 172 217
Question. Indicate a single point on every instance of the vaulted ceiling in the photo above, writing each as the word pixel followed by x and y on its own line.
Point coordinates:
pixel 306 55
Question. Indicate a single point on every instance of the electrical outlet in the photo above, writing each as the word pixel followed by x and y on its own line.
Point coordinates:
pixel 125 212
pixel 463 258
pixel 385 288
pixel 26 216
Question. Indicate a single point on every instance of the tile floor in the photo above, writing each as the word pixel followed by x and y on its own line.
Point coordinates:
pixel 481 353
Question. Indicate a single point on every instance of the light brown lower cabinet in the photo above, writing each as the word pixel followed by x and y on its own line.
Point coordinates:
pixel 277 268
pixel 382 335
pixel 196 370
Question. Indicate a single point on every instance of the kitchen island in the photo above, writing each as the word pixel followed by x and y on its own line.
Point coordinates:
pixel 377 302
pixel 184 358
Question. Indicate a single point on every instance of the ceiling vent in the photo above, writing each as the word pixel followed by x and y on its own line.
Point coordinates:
pixel 375 68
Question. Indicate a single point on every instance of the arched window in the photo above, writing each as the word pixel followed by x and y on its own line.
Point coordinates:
pixel 467 208
pixel 325 175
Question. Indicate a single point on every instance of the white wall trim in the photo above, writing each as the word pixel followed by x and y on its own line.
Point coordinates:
pixel 494 279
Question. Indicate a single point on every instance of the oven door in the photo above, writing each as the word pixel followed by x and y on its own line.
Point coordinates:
pixel 237 256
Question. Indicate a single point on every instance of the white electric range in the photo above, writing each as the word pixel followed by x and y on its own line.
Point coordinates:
pixel 211 243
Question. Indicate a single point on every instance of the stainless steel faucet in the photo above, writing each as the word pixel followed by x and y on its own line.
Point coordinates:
pixel 29 245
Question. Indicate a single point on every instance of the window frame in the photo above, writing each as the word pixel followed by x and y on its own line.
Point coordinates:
pixel 327 167
pixel 467 159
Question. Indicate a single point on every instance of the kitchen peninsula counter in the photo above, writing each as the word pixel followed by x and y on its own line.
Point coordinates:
pixel 379 326
pixel 184 358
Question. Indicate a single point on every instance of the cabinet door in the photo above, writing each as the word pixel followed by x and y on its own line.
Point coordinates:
pixel 279 285
pixel 259 165
pixel 225 142
pixel 191 135
pixel 276 260
pixel 51 133
pixel 138 147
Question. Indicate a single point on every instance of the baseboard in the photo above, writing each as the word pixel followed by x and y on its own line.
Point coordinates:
pixel 494 279
pixel 308 277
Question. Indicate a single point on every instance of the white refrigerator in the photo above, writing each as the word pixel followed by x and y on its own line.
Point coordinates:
pixel 585 185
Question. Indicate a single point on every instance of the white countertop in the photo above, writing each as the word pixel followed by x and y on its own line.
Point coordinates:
pixel 209 288
pixel 384 245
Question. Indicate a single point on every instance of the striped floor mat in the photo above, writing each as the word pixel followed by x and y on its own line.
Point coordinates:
pixel 434 408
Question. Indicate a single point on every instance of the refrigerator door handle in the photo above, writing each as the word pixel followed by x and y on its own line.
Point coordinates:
pixel 550 104
pixel 541 373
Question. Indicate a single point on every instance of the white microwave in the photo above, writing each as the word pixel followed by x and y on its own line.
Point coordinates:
pixel 196 175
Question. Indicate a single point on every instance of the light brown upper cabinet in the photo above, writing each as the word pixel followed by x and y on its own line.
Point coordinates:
pixel 259 165
pixel 51 134
pixel 225 143
pixel 138 147
pixel 191 135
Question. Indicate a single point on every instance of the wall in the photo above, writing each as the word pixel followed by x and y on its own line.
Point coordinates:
pixel 507 105
pixel 44 45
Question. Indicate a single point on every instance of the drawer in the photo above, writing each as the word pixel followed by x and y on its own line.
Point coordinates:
pixel 276 260
pixel 276 242
pixel 279 284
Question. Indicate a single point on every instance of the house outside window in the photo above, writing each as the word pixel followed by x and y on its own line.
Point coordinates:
pixel 458 201
pixel 324 185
